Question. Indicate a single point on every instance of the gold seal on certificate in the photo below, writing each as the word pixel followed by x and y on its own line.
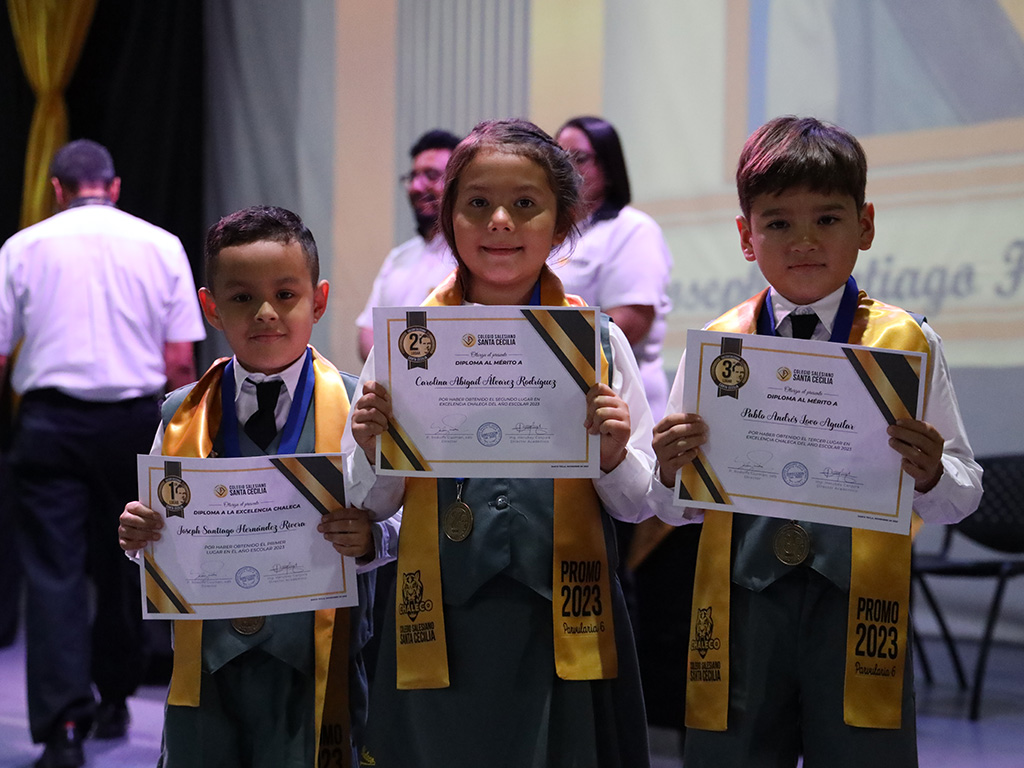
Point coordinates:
pixel 729 370
pixel 416 342
pixel 792 544
pixel 457 521
pixel 173 492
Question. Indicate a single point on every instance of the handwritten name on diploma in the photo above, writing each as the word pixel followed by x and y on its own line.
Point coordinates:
pixel 756 414
pixel 241 528
pixel 486 382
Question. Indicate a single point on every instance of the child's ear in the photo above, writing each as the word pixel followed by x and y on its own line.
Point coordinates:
pixel 320 293
pixel 746 238
pixel 209 305
pixel 559 238
pixel 867 225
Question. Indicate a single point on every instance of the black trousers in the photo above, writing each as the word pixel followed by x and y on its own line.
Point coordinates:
pixel 73 466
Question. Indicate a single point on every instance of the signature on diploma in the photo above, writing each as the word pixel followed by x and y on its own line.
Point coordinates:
pixel 450 424
pixel 209 570
pixel 839 475
pixel 529 428
pixel 753 460
pixel 285 568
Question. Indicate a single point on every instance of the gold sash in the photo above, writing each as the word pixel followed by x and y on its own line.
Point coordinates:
pixel 877 638
pixel 190 433
pixel 584 646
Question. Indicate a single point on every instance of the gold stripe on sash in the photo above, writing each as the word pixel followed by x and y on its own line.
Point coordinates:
pixel 879 572
pixel 420 644
pixel 707 661
pixel 581 602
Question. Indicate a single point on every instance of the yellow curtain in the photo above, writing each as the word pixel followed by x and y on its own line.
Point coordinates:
pixel 49 35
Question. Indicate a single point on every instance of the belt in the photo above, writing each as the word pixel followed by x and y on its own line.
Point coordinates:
pixel 54 396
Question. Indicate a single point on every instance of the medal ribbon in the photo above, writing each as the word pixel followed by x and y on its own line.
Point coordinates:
pixel 578 537
pixel 190 432
pixel 879 567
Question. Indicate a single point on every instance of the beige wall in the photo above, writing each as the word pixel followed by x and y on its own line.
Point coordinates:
pixel 364 165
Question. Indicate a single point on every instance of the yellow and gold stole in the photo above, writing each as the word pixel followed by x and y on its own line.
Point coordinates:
pixel 190 433
pixel 584 649
pixel 879 568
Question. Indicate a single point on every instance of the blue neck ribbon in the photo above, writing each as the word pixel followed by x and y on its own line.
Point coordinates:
pixel 841 326
pixel 296 413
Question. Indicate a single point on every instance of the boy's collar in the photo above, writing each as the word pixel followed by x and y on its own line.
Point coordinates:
pixel 290 376
pixel 825 308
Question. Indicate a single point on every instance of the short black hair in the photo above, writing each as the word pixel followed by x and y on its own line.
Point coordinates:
pixel 82 162
pixel 253 225
pixel 609 155
pixel 789 152
pixel 435 139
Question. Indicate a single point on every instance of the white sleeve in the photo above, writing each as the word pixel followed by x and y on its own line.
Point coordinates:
pixel 958 491
pixel 622 490
pixel 380 495
pixel 636 266
pixel 385 543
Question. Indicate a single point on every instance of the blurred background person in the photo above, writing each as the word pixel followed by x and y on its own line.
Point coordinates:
pixel 621 262
pixel 414 268
pixel 106 311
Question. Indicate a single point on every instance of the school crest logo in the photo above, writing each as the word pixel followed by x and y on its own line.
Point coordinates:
pixel 412 596
pixel 703 633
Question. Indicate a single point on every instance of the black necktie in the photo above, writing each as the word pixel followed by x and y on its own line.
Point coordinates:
pixel 262 425
pixel 803 325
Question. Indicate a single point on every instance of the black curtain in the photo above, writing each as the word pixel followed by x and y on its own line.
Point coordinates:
pixel 137 90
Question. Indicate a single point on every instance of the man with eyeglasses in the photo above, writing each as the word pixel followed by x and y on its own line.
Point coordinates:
pixel 413 269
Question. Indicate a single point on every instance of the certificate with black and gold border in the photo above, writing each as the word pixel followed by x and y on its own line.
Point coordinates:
pixel 240 537
pixel 481 391
pixel 797 429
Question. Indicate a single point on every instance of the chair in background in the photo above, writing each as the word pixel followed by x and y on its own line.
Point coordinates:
pixel 998 527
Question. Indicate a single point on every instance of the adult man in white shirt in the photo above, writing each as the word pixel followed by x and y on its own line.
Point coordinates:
pixel 413 269
pixel 105 308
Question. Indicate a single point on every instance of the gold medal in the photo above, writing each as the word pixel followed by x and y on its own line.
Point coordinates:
pixel 248 625
pixel 792 544
pixel 457 521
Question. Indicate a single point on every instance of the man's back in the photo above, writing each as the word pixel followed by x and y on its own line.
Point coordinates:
pixel 95 293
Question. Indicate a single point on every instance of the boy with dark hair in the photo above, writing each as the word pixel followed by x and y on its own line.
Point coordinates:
pixel 791 681
pixel 253 692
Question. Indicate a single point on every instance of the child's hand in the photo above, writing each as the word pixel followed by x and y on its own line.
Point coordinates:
pixel 138 525
pixel 676 440
pixel 608 416
pixel 370 417
pixel 920 445
pixel 349 530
